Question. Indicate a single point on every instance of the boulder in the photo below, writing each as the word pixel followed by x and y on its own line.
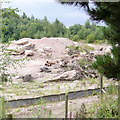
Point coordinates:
pixel 27 78
pixel 29 53
pixel 21 41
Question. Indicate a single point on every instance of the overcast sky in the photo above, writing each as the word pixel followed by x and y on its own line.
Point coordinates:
pixel 68 15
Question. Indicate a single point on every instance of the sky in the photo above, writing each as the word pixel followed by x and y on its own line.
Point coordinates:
pixel 68 15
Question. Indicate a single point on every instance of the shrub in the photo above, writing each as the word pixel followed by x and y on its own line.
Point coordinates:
pixel 108 108
pixel 90 38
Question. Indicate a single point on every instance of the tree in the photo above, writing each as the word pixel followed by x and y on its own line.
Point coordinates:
pixel 75 28
pixel 109 12
pixel 82 33
pixel 91 38
pixel 75 38
pixel 59 28
pixel 24 15
pixel 87 24
pixel 9 21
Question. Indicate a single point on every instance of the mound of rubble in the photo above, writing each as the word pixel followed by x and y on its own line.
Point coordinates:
pixel 67 64
pixel 45 47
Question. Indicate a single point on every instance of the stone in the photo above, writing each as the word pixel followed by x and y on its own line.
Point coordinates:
pixel 29 53
pixel 108 49
pixel 69 75
pixel 27 78
pixel 40 50
pixel 50 63
pixel 45 69
pixel 21 41
pixel 15 50
pixel 29 46
pixel 47 48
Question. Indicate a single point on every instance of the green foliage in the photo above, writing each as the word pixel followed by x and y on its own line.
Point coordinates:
pixel 109 13
pixel 2 108
pixel 75 38
pixel 74 29
pixel 112 89
pixel 90 38
pixel 107 108
pixel 9 21
pixel 109 65
pixel 14 27
pixel 41 110
pixel 87 24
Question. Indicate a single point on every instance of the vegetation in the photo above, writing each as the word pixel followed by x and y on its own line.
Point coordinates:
pixel 14 27
pixel 2 108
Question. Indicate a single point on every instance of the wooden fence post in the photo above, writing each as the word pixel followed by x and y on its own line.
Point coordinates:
pixel 101 84
pixel 66 106
pixel 101 87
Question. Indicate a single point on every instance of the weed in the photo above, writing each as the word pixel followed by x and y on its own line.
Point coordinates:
pixel 41 110
pixel 107 107
pixel 77 49
pixel 112 89
pixel 2 108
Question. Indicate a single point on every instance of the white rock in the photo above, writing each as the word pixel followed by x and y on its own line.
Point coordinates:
pixel 47 48
pixel 21 41
pixel 69 75
pixel 29 53
pixel 40 50
pixel 108 49
pixel 14 49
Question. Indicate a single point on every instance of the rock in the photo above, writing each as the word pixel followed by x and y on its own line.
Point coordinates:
pixel 21 41
pixel 15 50
pixel 63 63
pixel 27 78
pixel 40 50
pixel 45 69
pixel 29 46
pixel 108 49
pixel 29 53
pixel 101 49
pixel 47 48
pixel 69 75
pixel 50 63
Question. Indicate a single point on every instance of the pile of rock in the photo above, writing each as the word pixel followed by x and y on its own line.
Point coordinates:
pixel 21 46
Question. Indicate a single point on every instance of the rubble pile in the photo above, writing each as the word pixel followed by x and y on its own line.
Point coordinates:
pixel 59 57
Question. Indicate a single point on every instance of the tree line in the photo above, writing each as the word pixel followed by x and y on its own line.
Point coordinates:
pixel 15 26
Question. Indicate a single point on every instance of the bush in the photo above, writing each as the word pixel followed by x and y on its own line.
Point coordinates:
pixel 90 38
pixel 108 108
pixel 75 38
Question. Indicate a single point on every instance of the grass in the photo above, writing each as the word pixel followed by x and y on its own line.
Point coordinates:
pixel 39 89
pixel 2 108
pixel 80 48
pixel 107 106
pixel 41 110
